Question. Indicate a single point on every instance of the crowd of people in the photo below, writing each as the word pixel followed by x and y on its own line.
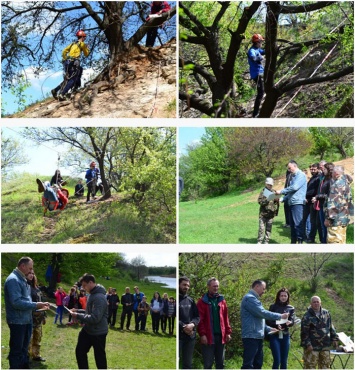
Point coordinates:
pixel 209 318
pixel 322 205
pixel 88 305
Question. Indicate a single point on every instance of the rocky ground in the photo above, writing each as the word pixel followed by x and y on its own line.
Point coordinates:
pixel 141 85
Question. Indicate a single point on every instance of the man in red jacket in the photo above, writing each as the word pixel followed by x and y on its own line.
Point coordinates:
pixel 157 8
pixel 214 328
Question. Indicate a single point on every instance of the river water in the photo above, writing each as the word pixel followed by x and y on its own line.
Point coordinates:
pixel 166 282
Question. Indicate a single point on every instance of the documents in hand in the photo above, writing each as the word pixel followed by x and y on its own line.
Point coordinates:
pixel 270 195
pixel 282 321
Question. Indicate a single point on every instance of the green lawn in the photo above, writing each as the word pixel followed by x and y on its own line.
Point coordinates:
pixel 230 219
pixel 124 349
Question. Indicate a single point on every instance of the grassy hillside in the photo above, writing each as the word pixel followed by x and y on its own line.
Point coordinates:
pixel 236 272
pixel 231 218
pixel 110 221
pixel 130 350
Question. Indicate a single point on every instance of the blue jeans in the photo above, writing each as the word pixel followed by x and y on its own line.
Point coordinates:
pixel 253 354
pixel 186 350
pixel 59 312
pixel 213 352
pixel 296 222
pixel 20 336
pixel 279 348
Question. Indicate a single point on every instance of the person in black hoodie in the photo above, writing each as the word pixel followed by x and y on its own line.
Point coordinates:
pixel 280 341
pixel 94 332
pixel 189 318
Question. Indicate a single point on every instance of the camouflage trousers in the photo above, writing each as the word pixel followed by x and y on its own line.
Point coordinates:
pixel 265 225
pixel 313 358
pixel 336 235
pixel 35 344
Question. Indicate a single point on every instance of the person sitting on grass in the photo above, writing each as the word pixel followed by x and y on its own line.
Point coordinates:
pixel 268 210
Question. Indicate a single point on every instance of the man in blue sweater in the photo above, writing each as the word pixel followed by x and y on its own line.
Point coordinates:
pixel 295 195
pixel 253 316
pixel 255 58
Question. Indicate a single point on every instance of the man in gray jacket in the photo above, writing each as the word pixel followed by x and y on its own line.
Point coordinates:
pixel 253 316
pixel 94 333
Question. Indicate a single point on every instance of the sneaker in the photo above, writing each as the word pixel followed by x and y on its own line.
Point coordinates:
pixel 61 97
pixel 54 94
pixel 40 186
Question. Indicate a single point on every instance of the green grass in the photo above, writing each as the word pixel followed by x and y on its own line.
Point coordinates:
pixel 97 223
pixel 129 350
pixel 235 282
pixel 230 219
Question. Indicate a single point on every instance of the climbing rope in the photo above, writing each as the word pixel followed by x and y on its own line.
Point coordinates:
pixel 156 92
pixel 314 72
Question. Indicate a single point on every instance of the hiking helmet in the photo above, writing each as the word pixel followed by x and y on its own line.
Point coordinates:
pixel 257 38
pixel 92 164
pixel 80 33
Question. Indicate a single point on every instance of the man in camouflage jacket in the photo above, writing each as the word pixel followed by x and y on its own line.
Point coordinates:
pixel 317 336
pixel 336 208
pixel 268 210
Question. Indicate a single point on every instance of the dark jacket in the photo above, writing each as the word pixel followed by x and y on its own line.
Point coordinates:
pixel 312 188
pixel 95 316
pixel 317 331
pixel 282 308
pixel 323 190
pixel 127 298
pixel 113 300
pixel 188 313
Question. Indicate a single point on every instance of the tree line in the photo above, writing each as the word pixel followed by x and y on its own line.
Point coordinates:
pixel 230 157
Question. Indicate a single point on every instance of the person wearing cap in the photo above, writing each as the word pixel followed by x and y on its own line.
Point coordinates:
pixel 92 175
pixel 256 69
pixel 71 63
pixel 269 208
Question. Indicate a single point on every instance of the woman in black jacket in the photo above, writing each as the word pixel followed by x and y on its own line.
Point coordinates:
pixel 280 341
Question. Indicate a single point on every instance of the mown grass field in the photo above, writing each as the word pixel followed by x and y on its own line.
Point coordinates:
pixel 112 221
pixel 231 219
pixel 124 349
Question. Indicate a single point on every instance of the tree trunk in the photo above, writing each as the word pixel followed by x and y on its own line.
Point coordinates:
pixel 113 27
pixel 269 103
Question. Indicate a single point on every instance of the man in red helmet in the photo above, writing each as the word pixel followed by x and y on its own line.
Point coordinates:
pixel 72 69
pixel 158 8
pixel 255 58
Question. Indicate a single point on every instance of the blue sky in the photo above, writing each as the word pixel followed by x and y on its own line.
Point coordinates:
pixel 42 83
pixel 189 135
pixel 43 159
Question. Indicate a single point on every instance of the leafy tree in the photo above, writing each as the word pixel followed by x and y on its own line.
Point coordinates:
pixel 339 138
pixel 11 154
pixel 212 51
pixel 33 32
pixel 95 142
pixel 262 150
pixel 139 266
pixel 206 167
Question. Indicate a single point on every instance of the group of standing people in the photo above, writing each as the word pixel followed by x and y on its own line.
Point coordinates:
pixel 323 204
pixel 209 318
pixel 26 313
pixel 162 311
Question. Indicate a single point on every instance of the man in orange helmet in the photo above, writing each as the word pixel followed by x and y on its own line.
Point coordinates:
pixel 72 69
pixel 92 175
pixel 255 58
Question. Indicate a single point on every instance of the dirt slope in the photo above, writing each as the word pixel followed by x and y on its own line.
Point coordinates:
pixel 141 85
